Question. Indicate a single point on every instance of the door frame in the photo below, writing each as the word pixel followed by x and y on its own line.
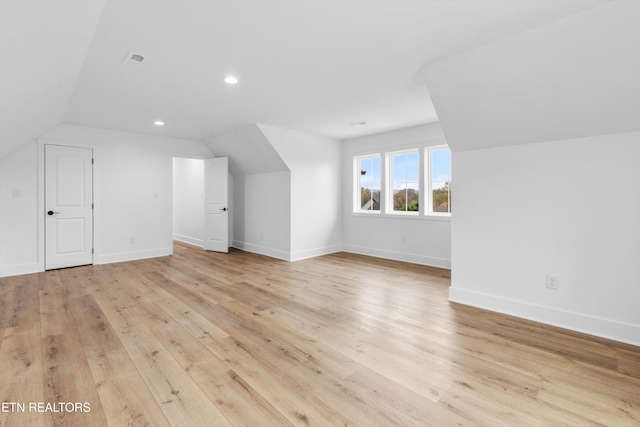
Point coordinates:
pixel 230 189
pixel 41 197
pixel 173 196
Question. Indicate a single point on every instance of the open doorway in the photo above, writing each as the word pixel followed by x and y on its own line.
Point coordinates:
pixel 188 200
pixel 197 191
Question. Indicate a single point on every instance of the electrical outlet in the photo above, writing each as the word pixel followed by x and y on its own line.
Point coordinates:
pixel 132 240
pixel 404 239
pixel 553 282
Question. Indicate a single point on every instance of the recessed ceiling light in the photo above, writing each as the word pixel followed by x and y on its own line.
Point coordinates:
pixel 158 123
pixel 230 80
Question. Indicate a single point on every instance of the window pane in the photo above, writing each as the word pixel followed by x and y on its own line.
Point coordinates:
pixel 406 190
pixel 441 180
pixel 369 179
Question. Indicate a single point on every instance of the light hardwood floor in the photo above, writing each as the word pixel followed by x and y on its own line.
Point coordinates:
pixel 206 339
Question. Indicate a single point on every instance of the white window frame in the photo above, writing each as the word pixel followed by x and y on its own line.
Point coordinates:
pixel 389 182
pixel 428 157
pixel 425 184
pixel 357 208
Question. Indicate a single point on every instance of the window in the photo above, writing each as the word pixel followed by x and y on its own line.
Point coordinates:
pixel 417 182
pixel 439 180
pixel 404 182
pixel 368 178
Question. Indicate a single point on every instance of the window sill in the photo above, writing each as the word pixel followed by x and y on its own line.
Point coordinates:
pixel 401 216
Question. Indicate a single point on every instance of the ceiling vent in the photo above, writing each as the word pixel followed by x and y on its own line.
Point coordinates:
pixel 134 58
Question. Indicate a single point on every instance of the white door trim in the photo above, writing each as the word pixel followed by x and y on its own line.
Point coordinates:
pixel 41 197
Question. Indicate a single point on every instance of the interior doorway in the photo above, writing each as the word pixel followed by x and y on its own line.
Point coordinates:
pixel 202 190
pixel 68 206
pixel 188 200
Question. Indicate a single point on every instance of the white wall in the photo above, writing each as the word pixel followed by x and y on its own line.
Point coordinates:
pixel 314 162
pixel 188 200
pixel 130 171
pixel 570 208
pixel 426 240
pixel 260 192
pixel 18 211
pixel 262 214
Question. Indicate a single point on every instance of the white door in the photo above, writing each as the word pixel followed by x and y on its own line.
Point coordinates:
pixel 216 197
pixel 68 206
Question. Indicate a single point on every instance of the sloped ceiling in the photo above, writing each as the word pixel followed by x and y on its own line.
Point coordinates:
pixel 43 45
pixel 574 77
pixel 315 66
pixel 249 151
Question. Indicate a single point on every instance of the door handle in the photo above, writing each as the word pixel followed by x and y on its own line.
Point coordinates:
pixel 223 209
pixel 52 213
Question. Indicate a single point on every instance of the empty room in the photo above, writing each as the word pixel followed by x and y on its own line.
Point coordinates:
pixel 319 213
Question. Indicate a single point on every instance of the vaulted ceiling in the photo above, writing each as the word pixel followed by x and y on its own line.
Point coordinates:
pixel 319 66
pixel 574 77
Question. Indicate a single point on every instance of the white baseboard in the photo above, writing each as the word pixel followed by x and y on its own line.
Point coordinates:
pixel 400 256
pixel 311 253
pixel 18 270
pixel 262 250
pixel 284 255
pixel 132 256
pixel 189 240
pixel 605 328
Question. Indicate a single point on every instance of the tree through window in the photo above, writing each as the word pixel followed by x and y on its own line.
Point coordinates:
pixel 406 189
pixel 439 173
pixel 405 181
pixel 369 180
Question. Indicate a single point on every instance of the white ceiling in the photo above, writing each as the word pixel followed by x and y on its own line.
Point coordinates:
pixel 575 77
pixel 315 66
pixel 43 45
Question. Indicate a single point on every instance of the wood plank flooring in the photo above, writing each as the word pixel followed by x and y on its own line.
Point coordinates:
pixel 206 339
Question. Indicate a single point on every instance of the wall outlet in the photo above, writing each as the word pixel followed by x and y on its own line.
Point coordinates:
pixel 553 282
pixel 132 240
pixel 404 239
